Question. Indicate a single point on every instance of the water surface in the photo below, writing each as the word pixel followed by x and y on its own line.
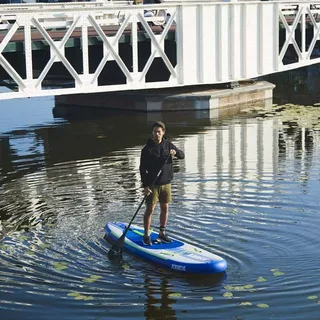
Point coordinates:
pixel 247 190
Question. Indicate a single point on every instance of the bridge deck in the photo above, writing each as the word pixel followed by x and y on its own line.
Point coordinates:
pixel 210 42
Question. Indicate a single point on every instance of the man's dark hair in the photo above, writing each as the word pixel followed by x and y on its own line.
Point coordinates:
pixel 159 124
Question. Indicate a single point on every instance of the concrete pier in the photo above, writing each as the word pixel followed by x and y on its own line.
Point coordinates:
pixel 205 98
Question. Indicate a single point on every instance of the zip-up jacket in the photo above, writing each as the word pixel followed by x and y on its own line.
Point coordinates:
pixel 153 157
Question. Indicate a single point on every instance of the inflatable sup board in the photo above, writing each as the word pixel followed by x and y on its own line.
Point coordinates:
pixel 177 255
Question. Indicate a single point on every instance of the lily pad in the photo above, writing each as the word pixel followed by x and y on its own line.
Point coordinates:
pixel 175 295
pixel 208 298
pixel 276 272
pixel 312 297
pixel 79 296
pixel 60 265
pixel 262 305
pixel 261 279
pixel 92 278
pixel 239 288
pixel 245 303
pixel 248 286
pixel 73 294
pixel 228 294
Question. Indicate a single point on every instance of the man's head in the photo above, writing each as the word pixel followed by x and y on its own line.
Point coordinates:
pixel 158 130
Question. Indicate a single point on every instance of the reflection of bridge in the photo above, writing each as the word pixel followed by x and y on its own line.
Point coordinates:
pixel 109 46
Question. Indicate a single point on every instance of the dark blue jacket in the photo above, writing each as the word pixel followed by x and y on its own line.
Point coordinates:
pixel 153 156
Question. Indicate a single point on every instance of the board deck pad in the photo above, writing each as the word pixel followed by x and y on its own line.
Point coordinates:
pixel 176 255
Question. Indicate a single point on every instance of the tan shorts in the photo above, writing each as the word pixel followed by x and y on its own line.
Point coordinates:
pixel 160 193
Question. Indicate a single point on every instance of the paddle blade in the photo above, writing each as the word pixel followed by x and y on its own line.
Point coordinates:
pixel 115 253
pixel 116 250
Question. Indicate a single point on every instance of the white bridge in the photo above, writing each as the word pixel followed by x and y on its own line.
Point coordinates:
pixel 214 42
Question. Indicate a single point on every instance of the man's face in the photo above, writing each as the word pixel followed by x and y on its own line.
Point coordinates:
pixel 157 134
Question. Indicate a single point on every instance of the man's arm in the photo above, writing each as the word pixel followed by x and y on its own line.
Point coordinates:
pixel 179 153
pixel 143 168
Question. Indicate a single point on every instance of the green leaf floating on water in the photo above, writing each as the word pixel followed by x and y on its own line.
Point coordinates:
pixel 277 272
pixel 312 297
pixel 262 305
pixel 239 288
pixel 73 294
pixel 92 278
pixel 245 303
pixel 208 298
pixel 228 294
pixel 248 286
pixel 175 295
pixel 79 296
pixel 60 265
pixel 261 279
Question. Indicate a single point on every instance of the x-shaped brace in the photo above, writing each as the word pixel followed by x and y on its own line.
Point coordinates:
pixel 57 51
pixel 4 62
pixel 290 30
pixel 111 50
pixel 157 46
pixel 315 34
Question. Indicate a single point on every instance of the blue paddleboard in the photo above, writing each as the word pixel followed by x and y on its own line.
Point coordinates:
pixel 177 255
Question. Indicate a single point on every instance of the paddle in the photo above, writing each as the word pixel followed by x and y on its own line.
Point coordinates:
pixel 115 251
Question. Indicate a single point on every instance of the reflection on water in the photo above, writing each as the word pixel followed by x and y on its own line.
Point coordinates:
pixel 247 190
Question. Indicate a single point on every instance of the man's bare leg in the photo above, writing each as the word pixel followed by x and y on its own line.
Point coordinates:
pixel 147 218
pixel 164 209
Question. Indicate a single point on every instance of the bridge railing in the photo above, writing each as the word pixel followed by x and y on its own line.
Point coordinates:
pixel 194 42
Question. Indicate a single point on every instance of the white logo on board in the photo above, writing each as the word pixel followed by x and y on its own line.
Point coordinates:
pixel 177 267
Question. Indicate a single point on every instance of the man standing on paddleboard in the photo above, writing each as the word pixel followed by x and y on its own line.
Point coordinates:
pixel 157 155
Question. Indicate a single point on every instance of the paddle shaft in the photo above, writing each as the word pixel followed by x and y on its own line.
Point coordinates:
pixel 120 241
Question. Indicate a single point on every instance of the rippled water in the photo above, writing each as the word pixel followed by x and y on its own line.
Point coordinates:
pixel 248 190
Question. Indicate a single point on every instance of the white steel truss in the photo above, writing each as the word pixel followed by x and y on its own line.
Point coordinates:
pixel 216 42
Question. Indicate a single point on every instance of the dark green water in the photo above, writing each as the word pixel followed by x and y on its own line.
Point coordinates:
pixel 248 190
